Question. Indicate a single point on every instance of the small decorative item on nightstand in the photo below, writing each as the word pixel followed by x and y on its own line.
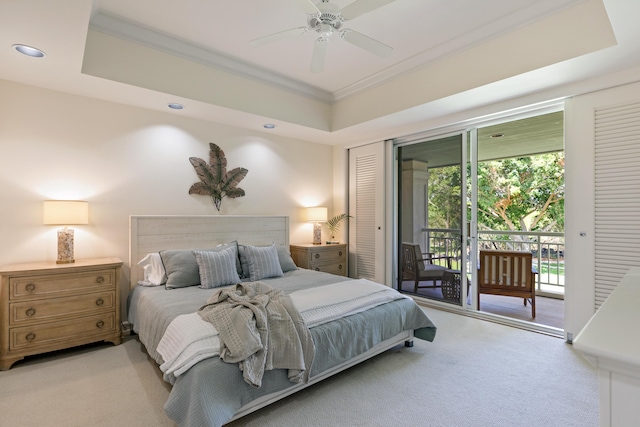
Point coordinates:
pixel 334 226
pixel 327 258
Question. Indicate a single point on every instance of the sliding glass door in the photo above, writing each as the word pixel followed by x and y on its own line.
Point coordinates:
pixel 432 216
pixel 498 185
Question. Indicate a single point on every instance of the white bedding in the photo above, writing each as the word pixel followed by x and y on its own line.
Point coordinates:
pixel 189 339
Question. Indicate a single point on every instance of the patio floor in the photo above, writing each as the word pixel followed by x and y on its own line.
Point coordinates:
pixel 549 311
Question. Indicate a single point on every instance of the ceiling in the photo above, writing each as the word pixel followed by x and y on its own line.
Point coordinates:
pixel 448 57
pixel 524 137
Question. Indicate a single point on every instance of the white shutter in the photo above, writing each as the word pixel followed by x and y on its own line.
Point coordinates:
pixel 617 196
pixel 365 218
pixel 366 206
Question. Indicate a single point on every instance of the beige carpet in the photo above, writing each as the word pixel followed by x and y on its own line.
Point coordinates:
pixel 475 373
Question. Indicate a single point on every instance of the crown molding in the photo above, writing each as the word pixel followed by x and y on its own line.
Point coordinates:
pixel 133 32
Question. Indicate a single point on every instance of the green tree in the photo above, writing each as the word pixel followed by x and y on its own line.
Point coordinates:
pixel 516 194
pixel 522 194
pixel 444 198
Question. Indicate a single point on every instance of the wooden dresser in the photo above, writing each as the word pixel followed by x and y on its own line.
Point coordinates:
pixel 47 306
pixel 327 258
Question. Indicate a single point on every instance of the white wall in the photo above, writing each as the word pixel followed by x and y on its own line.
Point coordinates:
pixel 125 161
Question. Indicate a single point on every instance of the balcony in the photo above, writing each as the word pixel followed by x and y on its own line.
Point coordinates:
pixel 548 259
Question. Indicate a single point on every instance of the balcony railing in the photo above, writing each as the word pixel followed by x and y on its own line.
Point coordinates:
pixel 547 250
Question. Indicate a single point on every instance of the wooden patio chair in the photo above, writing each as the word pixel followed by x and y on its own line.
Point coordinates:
pixel 507 273
pixel 418 266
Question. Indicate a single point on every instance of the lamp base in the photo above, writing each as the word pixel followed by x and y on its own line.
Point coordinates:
pixel 65 246
pixel 317 233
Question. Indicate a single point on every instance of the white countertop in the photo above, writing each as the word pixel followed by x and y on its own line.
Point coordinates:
pixel 611 338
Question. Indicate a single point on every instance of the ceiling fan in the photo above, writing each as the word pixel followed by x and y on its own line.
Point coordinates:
pixel 325 18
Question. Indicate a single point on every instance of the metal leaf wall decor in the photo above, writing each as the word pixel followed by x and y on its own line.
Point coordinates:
pixel 215 181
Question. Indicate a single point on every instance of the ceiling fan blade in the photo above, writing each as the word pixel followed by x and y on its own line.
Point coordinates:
pixel 319 52
pixel 308 7
pixel 366 43
pixel 360 7
pixel 261 41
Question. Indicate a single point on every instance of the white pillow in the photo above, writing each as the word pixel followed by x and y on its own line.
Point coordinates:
pixel 154 273
pixel 217 268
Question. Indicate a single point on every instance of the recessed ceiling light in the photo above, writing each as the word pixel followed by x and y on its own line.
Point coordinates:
pixel 497 135
pixel 29 51
pixel 269 126
pixel 175 106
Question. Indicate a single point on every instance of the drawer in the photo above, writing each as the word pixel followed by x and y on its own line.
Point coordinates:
pixel 324 255
pixel 52 334
pixel 336 268
pixel 54 309
pixel 32 287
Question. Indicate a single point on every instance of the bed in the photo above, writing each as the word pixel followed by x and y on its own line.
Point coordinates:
pixel 210 392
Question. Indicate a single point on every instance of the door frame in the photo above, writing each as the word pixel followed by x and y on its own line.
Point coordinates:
pixel 468 229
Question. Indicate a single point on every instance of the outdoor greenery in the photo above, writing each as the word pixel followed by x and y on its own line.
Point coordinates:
pixel 522 194
pixel 444 198
pixel 515 194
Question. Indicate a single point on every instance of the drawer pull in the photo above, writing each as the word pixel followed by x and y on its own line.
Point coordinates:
pixel 340 267
pixel 340 253
pixel 30 287
pixel 100 280
pixel 30 336
pixel 317 269
pixel 100 324
pixel 30 312
pixel 317 256
pixel 99 301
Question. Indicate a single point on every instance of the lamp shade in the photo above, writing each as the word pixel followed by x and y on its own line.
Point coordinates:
pixel 65 212
pixel 317 214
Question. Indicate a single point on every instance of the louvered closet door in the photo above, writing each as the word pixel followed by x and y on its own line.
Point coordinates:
pixel 366 206
pixel 617 195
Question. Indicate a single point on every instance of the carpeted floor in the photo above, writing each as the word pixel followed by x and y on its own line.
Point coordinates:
pixel 475 373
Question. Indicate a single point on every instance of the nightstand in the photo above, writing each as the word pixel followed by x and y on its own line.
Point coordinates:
pixel 327 258
pixel 47 306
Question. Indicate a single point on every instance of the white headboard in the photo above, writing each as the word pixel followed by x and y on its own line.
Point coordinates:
pixel 153 233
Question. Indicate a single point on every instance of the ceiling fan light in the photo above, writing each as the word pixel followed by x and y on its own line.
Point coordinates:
pixel 325 30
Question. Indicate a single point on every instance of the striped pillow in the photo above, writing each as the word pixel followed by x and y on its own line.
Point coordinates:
pixel 217 268
pixel 263 262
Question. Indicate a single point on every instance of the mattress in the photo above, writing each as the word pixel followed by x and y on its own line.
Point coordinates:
pixel 212 392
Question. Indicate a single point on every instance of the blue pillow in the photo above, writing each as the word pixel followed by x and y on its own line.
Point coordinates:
pixel 284 257
pixel 263 262
pixel 182 268
pixel 286 262
pixel 217 268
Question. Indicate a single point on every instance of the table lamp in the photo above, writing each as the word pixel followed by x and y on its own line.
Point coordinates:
pixel 65 213
pixel 317 215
